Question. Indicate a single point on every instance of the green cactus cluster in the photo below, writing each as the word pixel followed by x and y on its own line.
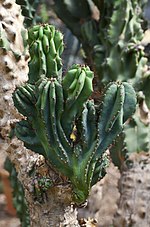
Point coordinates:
pixel 29 8
pixel 45 47
pixel 73 13
pixel 19 200
pixel 113 46
pixel 56 107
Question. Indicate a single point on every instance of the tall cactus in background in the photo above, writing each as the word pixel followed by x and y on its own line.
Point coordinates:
pixel 114 51
pixel 106 43
pixel 57 107
pixel 29 8
pixel 13 72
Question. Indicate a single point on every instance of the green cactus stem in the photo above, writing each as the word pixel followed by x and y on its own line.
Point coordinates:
pixel 108 44
pixel 55 108
pixel 69 12
pixel 18 195
pixel 45 47
pixel 29 8
pixel 77 86
pixel 44 105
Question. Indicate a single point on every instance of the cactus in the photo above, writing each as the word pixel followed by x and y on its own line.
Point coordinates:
pixel 45 47
pixel 13 67
pixel 115 52
pixel 18 194
pixel 69 12
pixel 54 109
pixel 134 188
pixel 29 8
pixel 109 43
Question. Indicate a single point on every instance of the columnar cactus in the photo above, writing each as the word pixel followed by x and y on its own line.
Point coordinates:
pixel 13 67
pixel 29 11
pixel 19 200
pixel 55 109
pixel 116 52
pixel 109 44
pixel 45 46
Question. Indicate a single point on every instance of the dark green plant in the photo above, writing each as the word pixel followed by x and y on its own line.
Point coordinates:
pixel 113 50
pixel 29 8
pixel 113 46
pixel 45 48
pixel 19 200
pixel 56 107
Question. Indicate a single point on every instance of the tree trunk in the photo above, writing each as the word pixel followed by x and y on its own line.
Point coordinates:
pixel 54 208
pixel 134 203
pixel 51 208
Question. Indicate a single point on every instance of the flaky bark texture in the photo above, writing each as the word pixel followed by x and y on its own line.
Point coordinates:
pixel 54 208
pixel 134 203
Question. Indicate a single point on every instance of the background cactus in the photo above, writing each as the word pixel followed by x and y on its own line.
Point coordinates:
pixel 19 200
pixel 55 108
pixel 114 52
pixel 29 11
pixel 107 45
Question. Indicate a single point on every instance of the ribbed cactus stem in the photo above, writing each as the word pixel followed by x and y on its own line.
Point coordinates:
pixel 47 103
pixel 77 85
pixel 45 46
pixel 29 8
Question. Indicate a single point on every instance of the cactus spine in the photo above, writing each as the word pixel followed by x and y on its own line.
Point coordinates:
pixel 53 107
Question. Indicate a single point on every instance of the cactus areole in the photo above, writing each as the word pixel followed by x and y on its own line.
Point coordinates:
pixel 56 107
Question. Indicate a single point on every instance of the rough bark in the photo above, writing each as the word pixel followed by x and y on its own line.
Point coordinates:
pixel 55 209
pixel 13 71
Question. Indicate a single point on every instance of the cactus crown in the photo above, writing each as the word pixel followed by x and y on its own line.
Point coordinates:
pixel 45 47
pixel 62 121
